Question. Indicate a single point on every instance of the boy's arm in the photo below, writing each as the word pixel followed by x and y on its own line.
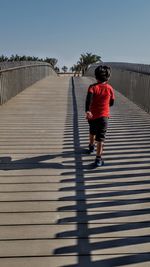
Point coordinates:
pixel 88 102
pixel 111 103
pixel 112 99
pixel 89 98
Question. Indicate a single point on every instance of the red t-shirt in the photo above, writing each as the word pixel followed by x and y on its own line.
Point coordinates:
pixel 102 94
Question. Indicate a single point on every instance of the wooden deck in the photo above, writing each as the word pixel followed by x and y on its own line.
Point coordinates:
pixel 55 209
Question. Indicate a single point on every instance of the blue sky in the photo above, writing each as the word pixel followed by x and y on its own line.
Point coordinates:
pixel 117 30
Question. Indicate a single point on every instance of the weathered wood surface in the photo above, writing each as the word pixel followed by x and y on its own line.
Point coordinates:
pixel 55 209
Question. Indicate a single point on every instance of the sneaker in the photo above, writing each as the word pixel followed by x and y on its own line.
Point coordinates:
pixel 98 162
pixel 91 148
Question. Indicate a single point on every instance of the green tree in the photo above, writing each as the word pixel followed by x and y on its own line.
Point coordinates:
pixel 72 69
pixel 76 68
pixel 52 61
pixel 87 59
pixel 12 58
pixel 64 68
pixel 57 69
pixel 3 58
pixel 23 58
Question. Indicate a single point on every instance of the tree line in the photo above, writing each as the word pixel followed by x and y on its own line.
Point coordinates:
pixel 15 58
pixel 85 60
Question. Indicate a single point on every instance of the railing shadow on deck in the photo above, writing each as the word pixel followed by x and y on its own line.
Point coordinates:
pixel 86 205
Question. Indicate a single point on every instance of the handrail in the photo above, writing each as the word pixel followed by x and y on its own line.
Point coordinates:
pixel 25 66
pixel 134 67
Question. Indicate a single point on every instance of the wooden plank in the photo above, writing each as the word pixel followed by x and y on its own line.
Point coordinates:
pixel 140 260
pixel 73 196
pixel 71 187
pixel 70 247
pixel 21 232
pixel 91 205
pixel 73 217
pixel 71 179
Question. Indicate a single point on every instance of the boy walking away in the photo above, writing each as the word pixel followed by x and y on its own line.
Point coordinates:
pixel 100 97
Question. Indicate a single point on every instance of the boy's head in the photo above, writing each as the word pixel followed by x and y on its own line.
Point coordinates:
pixel 102 73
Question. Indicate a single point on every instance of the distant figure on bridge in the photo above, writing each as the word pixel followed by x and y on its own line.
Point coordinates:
pixel 100 97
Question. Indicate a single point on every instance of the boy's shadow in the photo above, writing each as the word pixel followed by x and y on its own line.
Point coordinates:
pixel 6 163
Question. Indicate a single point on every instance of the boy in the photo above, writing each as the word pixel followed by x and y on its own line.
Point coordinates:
pixel 99 98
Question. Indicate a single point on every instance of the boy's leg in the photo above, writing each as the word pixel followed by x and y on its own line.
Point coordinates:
pixel 98 160
pixel 91 136
pixel 91 143
pixel 91 139
pixel 100 137
pixel 99 150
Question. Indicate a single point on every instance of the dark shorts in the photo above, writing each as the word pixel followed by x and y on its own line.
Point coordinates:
pixel 98 127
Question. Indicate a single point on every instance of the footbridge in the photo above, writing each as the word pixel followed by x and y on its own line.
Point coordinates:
pixel 56 210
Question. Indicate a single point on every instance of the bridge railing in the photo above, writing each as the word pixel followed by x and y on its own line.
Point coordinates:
pixel 16 79
pixel 132 80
